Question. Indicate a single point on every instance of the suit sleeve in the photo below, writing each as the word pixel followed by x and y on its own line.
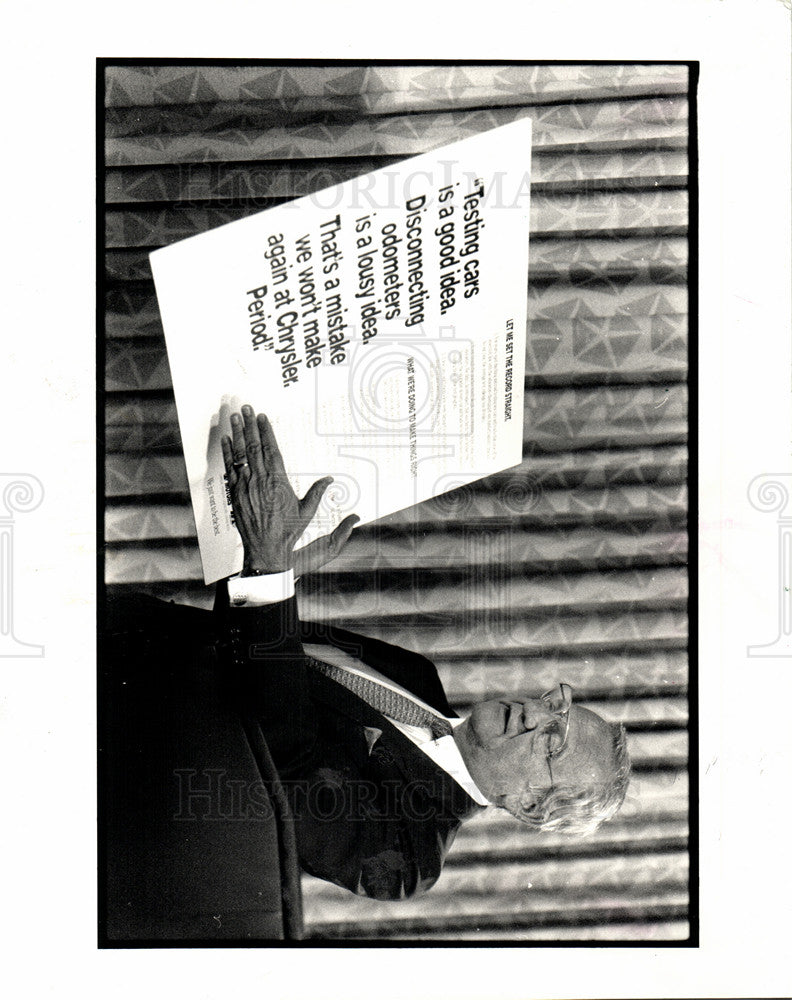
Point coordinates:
pixel 356 823
pixel 268 680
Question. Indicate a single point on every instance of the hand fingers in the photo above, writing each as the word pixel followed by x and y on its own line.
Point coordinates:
pixel 238 445
pixel 340 536
pixel 228 460
pixel 312 556
pixel 322 551
pixel 273 459
pixel 312 499
pixel 252 440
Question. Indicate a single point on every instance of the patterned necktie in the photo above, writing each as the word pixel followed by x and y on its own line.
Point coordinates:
pixel 384 699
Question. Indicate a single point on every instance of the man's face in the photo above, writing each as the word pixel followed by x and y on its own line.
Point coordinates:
pixel 542 742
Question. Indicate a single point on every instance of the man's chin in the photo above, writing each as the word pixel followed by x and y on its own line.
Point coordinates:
pixel 487 722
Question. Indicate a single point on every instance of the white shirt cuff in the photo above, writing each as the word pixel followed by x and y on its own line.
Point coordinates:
pixel 253 591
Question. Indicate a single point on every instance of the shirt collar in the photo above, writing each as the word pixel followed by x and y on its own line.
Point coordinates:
pixel 455 765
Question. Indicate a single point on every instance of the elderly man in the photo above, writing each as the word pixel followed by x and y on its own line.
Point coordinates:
pixel 379 771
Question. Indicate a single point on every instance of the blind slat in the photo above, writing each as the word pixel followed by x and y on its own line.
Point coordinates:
pixel 585 632
pixel 265 179
pixel 655 672
pixel 642 929
pixel 132 85
pixel 632 122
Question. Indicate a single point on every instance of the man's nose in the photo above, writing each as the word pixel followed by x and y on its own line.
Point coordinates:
pixel 536 713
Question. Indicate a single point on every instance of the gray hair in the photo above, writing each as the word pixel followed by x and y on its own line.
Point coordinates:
pixel 577 811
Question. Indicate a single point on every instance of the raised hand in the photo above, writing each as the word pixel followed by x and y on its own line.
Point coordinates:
pixel 323 550
pixel 269 516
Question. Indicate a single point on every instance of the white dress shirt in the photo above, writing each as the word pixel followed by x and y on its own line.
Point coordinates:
pixel 254 591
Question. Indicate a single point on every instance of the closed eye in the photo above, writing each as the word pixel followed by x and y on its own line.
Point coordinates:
pixel 554 738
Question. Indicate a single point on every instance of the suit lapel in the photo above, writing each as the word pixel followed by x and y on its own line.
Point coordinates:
pixel 414 764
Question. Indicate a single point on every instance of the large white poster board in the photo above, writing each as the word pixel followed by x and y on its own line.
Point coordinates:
pixel 380 325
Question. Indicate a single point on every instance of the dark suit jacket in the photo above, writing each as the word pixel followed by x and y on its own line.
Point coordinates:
pixel 184 855
pixel 376 817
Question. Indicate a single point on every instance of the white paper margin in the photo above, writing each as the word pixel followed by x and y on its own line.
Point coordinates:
pixel 47 715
